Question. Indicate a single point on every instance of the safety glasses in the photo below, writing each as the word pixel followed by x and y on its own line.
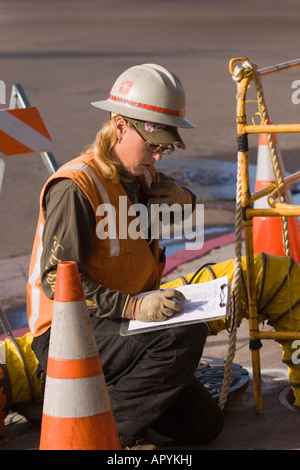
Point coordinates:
pixel 153 148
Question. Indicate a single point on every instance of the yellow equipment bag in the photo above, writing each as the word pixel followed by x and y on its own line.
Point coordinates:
pixel 20 388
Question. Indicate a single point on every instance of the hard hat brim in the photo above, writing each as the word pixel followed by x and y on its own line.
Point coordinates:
pixel 143 114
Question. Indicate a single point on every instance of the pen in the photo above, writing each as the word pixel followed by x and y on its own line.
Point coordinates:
pixel 173 298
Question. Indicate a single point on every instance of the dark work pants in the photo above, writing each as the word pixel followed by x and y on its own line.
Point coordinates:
pixel 151 384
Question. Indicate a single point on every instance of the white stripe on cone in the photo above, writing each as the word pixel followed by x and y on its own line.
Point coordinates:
pixel 76 398
pixel 71 342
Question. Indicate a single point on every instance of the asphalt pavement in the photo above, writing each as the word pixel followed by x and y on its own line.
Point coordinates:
pixel 68 53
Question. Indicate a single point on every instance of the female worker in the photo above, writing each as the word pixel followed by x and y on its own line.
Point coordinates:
pixel 149 376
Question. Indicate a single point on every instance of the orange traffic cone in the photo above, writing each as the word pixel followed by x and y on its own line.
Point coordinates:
pixel 77 413
pixel 267 231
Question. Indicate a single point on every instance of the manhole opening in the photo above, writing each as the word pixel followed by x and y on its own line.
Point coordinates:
pixel 287 398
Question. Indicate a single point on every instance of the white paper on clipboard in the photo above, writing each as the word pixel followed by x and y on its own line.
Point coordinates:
pixel 205 301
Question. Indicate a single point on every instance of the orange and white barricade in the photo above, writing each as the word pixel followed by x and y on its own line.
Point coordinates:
pixel 23 131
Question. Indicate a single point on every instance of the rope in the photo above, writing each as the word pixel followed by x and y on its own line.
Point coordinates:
pixel 239 73
pixel 235 289
pixel 273 156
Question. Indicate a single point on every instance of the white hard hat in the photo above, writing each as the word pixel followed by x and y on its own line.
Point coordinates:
pixel 148 92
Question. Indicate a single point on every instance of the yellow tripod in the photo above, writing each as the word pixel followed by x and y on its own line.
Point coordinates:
pixel 243 75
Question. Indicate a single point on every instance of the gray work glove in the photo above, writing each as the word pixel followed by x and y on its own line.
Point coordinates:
pixel 168 192
pixel 160 305
pixel 154 307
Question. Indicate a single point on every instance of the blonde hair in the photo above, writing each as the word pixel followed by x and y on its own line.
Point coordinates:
pixel 101 148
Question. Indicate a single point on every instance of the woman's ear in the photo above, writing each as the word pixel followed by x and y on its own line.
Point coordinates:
pixel 120 127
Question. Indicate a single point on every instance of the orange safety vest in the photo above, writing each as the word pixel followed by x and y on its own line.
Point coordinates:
pixel 124 264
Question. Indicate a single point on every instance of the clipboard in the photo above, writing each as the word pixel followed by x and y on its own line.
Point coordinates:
pixel 204 302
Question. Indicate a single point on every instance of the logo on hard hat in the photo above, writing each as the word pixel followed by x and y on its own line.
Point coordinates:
pixel 125 87
pixel 153 126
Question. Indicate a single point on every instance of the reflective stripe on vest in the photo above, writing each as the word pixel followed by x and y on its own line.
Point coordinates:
pixel 114 242
pixel 35 291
